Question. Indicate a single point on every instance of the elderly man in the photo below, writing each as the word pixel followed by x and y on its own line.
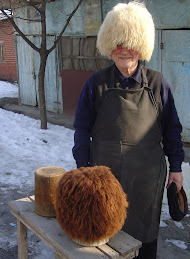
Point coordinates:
pixel 126 119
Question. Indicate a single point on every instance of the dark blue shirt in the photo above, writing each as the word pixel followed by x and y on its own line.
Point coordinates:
pixel 85 118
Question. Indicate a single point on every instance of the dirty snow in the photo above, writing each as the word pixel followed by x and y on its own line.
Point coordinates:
pixel 25 147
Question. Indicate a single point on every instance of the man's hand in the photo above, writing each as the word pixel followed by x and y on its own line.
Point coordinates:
pixel 177 178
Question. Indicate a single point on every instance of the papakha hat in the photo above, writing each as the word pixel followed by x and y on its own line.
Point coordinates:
pixel 177 201
pixel 90 205
pixel 130 25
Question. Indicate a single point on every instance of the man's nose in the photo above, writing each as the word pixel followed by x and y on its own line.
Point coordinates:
pixel 124 50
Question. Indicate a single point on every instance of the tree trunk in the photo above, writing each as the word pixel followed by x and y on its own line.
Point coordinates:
pixel 41 85
pixel 41 75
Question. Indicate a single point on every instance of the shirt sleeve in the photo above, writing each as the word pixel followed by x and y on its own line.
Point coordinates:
pixel 84 120
pixel 171 129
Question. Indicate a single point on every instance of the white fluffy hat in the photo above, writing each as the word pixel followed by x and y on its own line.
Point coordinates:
pixel 129 25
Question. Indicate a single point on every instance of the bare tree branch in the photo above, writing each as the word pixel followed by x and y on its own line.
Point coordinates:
pixel 33 5
pixel 19 31
pixel 64 28
pixel 43 48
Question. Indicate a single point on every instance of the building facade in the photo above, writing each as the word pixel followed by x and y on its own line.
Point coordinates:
pixel 8 66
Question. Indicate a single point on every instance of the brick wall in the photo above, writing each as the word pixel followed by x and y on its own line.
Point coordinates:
pixel 8 68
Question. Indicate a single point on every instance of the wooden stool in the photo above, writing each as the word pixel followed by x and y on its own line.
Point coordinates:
pixel 46 182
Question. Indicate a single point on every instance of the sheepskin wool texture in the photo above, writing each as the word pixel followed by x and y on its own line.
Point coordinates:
pixel 91 205
pixel 129 25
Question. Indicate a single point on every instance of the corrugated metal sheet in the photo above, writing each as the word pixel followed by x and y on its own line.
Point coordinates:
pixel 173 60
pixel 56 15
pixel 16 3
pixel 170 14
pixel 92 17
pixel 176 67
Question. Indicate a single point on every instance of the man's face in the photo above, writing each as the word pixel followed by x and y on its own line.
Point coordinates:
pixel 125 58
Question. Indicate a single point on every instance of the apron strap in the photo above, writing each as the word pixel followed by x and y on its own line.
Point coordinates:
pixel 151 95
pixel 149 90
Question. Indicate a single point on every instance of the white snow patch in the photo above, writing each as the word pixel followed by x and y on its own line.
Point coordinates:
pixel 13 225
pixel 163 224
pixel 164 215
pixel 178 243
pixel 8 90
pixel 179 225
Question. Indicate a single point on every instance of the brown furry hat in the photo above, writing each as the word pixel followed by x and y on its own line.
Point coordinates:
pixel 90 205
pixel 129 25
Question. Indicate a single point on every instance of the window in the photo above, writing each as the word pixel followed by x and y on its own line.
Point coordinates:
pixel 1 51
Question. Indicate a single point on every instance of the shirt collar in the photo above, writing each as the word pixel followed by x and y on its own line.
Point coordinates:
pixel 135 76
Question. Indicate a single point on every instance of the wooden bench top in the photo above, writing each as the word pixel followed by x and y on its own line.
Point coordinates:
pixel 121 245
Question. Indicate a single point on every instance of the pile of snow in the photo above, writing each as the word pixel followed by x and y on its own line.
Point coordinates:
pixel 8 90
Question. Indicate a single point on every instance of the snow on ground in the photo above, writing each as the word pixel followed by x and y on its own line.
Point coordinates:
pixel 24 147
pixel 164 216
pixel 178 243
pixel 8 90
pixel 179 225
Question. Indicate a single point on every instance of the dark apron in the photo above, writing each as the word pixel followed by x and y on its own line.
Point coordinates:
pixel 126 138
